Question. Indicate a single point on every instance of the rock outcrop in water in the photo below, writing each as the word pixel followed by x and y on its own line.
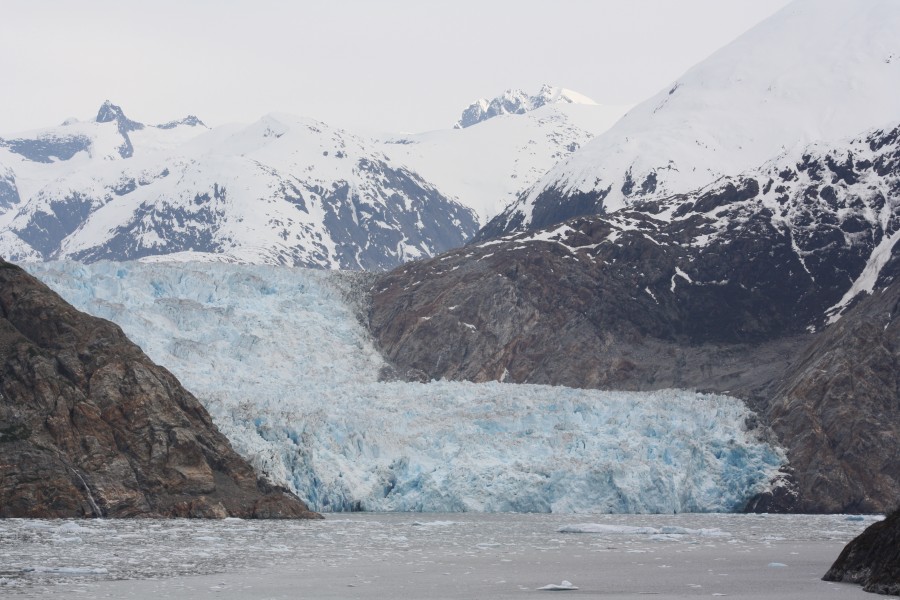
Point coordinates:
pixel 872 559
pixel 89 426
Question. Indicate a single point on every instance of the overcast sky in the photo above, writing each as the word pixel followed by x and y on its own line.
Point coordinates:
pixel 391 65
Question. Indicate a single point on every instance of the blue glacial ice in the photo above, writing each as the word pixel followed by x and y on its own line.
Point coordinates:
pixel 280 360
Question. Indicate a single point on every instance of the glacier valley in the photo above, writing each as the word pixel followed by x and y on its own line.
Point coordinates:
pixel 279 358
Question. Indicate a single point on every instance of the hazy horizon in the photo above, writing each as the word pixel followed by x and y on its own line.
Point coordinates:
pixel 392 65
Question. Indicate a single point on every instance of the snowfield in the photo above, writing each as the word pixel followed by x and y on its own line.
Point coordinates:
pixel 816 71
pixel 279 358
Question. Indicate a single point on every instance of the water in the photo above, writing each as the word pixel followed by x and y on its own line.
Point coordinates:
pixel 404 555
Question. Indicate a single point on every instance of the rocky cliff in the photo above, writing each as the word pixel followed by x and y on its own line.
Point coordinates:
pixel 89 426
pixel 872 559
pixel 837 408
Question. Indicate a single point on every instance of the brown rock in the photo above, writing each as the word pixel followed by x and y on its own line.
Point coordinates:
pixel 837 411
pixel 89 426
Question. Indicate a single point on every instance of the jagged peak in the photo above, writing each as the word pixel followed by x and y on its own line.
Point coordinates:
pixel 517 101
pixel 190 121
pixel 113 112
pixel 109 112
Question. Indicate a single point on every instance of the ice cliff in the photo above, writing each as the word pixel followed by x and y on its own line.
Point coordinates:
pixel 280 360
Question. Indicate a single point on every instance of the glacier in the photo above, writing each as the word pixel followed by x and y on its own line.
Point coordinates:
pixel 288 372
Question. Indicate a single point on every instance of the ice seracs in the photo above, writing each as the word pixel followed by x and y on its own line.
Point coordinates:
pixel 290 376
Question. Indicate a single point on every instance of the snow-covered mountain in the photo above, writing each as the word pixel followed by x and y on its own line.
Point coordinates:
pixel 283 190
pixel 818 70
pixel 282 363
pixel 518 102
pixel 486 166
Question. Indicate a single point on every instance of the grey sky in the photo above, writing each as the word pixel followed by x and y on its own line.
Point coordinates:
pixel 380 64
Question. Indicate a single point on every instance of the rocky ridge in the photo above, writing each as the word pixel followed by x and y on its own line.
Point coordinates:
pixel 517 102
pixel 90 427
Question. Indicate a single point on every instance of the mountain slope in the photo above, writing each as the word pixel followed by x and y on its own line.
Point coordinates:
pixel 815 71
pixel 486 166
pixel 718 289
pixel 836 411
pixel 282 190
pixel 89 426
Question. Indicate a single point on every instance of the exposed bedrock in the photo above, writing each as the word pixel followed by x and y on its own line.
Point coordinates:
pixel 89 426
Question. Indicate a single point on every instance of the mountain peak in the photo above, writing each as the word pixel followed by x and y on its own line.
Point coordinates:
pixel 109 112
pixel 517 102
pixel 190 121
pixel 113 112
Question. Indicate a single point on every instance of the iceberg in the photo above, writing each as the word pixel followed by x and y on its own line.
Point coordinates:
pixel 282 362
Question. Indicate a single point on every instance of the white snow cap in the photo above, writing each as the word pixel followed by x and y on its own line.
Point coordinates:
pixel 517 102
pixel 818 70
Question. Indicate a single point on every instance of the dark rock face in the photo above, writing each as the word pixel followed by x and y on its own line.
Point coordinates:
pixel 9 192
pixel 610 315
pixel 89 426
pixel 729 289
pixel 368 235
pixel 872 559
pixel 110 112
pixel 48 149
pixel 837 409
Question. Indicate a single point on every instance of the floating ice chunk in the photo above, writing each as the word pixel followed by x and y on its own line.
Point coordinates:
pixel 664 532
pixel 564 586
pixel 855 518
pixel 777 564
pixel 609 529
pixel 72 527
pixel 67 570
pixel 704 532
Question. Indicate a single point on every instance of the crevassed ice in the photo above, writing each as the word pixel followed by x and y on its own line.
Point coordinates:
pixel 290 376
